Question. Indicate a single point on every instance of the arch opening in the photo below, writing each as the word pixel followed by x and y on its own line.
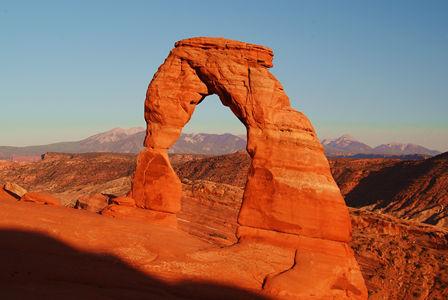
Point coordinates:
pixel 289 188
pixel 211 160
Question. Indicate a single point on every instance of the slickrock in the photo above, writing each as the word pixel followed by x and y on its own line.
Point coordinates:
pixel 15 189
pixel 398 259
pixel 142 215
pixel 40 197
pixel 289 189
pixel 94 203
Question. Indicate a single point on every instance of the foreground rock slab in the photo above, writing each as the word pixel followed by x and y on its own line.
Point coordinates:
pixel 72 253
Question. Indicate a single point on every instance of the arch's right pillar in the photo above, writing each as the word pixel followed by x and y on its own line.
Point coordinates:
pixel 292 200
pixel 290 188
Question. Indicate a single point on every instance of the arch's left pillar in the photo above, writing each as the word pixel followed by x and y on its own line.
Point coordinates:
pixel 170 101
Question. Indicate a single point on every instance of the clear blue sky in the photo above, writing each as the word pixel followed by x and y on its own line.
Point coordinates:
pixel 375 69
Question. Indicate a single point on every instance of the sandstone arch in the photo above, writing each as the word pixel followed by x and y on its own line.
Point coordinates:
pixel 290 201
pixel 290 188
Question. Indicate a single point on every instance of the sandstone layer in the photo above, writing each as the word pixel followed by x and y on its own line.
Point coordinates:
pixel 398 259
pixel 40 197
pixel 289 189
pixel 416 190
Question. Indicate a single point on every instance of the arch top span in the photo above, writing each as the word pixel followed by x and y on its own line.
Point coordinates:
pixel 289 188
pixel 251 53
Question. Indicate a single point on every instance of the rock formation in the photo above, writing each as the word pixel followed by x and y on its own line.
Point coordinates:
pixel 93 202
pixel 398 259
pixel 290 194
pixel 416 190
pixel 14 189
pixel 40 197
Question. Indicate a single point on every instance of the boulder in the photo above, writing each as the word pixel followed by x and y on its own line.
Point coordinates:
pixel 123 201
pixel 14 189
pixel 41 197
pixel 94 203
pixel 6 196
pixel 156 185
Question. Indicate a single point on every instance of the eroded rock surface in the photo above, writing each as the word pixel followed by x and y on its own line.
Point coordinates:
pixel 415 190
pixel 94 202
pixel 14 189
pixel 41 197
pixel 289 190
pixel 398 259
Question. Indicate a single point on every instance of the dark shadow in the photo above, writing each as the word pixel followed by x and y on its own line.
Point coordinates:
pixel 384 186
pixel 36 266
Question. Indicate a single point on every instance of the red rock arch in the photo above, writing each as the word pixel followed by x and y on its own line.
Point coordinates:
pixel 290 188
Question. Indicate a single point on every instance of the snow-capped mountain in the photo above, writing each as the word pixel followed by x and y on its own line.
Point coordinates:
pixel 205 143
pixel 131 141
pixel 113 135
pixel 403 149
pixel 345 145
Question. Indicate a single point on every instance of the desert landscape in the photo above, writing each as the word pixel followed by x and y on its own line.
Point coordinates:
pixel 282 150
pixel 401 256
pixel 200 226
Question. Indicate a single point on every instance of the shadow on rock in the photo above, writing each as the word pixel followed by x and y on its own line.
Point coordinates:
pixel 36 266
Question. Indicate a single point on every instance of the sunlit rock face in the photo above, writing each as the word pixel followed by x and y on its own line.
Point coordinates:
pixel 289 191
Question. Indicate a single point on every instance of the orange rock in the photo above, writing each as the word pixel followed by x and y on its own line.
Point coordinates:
pixel 290 188
pixel 40 197
pixel 14 189
pixel 124 201
pixel 322 268
pixel 138 214
pixel 6 196
pixel 155 185
pixel 94 203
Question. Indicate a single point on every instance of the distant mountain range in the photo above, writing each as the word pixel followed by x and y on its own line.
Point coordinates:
pixel 346 145
pixel 130 140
